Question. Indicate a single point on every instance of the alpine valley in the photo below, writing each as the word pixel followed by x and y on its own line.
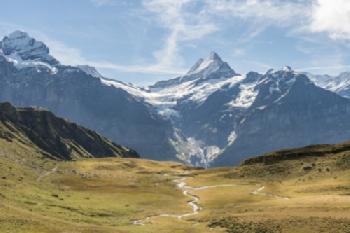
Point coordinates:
pixel 210 116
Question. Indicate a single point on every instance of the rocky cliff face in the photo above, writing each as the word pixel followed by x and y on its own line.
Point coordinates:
pixel 240 116
pixel 21 48
pixel 300 115
pixel 55 137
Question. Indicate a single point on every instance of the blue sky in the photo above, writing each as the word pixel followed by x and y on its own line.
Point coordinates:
pixel 142 41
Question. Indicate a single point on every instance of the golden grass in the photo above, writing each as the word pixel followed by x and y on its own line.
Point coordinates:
pixel 107 195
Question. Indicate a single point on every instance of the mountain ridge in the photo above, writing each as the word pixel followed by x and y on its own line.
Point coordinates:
pixel 56 137
pixel 299 153
pixel 78 94
pixel 339 84
pixel 196 118
pixel 210 67
pixel 20 48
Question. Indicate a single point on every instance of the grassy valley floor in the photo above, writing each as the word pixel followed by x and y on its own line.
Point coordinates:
pixel 132 195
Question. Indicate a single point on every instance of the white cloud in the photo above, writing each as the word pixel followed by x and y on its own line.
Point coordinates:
pixel 256 16
pixel 103 2
pixel 332 17
pixel 187 21
pixel 278 12
pixel 300 16
pixel 185 24
pixel 73 56
pixel 182 25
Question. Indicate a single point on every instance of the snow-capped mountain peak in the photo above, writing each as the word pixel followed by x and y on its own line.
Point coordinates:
pixel 206 115
pixel 339 84
pixel 285 76
pixel 20 47
pixel 204 63
pixel 211 64
pixel 17 35
pixel 287 69
pixel 196 66
pixel 214 56
pixel 209 69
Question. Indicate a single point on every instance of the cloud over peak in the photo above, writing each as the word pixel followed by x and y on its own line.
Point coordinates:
pixel 331 17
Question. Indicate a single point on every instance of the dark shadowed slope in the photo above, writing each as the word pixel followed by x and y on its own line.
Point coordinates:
pixel 56 137
pixel 320 150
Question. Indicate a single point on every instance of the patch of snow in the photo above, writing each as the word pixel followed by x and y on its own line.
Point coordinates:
pixel 282 96
pixel 138 92
pixel 168 113
pixel 288 84
pixel 208 65
pixel 335 84
pixel 164 99
pixel 201 92
pixel 211 152
pixel 287 69
pixel 193 151
pixel 19 63
pixel 232 138
pixel 246 96
pixel 28 49
pixel 195 90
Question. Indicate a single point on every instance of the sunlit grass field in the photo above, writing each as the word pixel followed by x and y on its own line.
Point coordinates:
pixel 39 195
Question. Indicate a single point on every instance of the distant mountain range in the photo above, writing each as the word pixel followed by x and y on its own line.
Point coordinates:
pixel 29 76
pixel 210 116
pixel 339 84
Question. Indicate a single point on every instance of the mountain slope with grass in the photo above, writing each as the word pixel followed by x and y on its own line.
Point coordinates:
pixel 289 191
pixel 55 137
pixel 210 116
pixel 296 190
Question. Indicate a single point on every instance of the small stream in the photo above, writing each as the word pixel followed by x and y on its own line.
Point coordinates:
pixel 194 203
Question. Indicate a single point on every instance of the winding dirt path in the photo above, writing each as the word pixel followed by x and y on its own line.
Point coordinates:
pixel 44 174
pixel 259 190
pixel 194 203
